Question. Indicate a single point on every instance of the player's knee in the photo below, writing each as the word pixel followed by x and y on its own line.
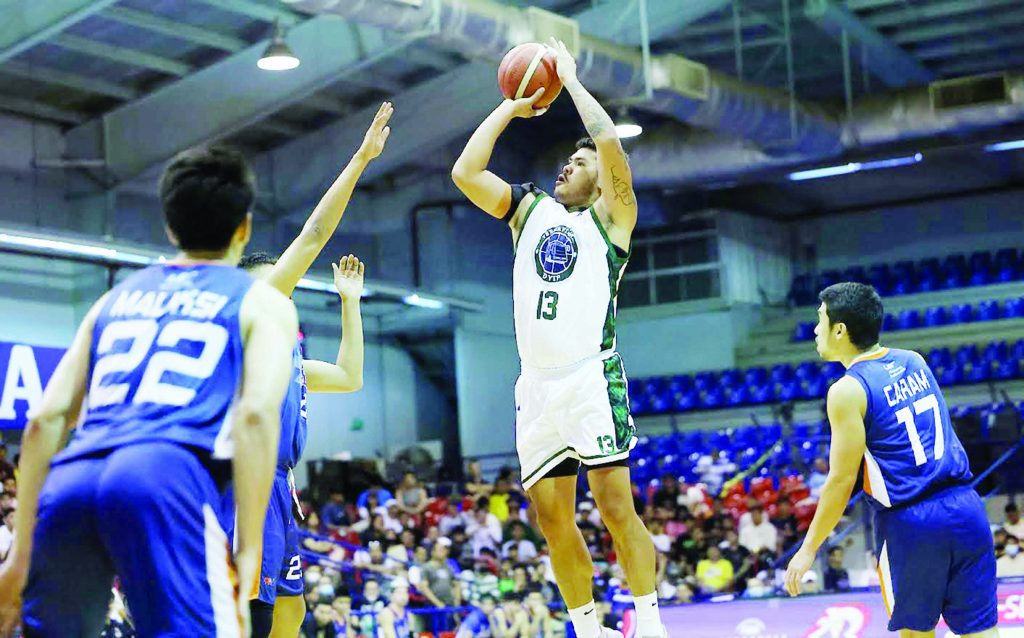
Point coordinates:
pixel 555 521
pixel 618 514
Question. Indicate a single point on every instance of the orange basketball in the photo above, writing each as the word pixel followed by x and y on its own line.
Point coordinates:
pixel 525 69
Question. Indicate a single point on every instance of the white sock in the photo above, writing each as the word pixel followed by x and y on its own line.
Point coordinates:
pixel 584 621
pixel 648 618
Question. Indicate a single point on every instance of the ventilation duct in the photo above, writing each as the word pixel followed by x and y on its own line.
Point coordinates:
pixel 685 90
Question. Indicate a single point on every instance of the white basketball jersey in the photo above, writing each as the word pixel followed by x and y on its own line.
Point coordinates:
pixel 564 286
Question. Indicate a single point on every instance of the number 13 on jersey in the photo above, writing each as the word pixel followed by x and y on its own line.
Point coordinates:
pixel 547 305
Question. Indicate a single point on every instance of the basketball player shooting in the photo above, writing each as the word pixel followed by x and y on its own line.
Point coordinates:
pixel 571 405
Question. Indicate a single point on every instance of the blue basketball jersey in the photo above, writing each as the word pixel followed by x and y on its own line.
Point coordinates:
pixel 293 416
pixel 165 361
pixel 912 450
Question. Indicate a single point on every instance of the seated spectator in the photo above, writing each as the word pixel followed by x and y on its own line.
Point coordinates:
pixel 411 495
pixel 376 530
pixel 475 485
pixel 321 623
pixel 371 600
pixel 516 508
pixel 344 624
pixel 437 578
pixel 498 503
pixel 1014 526
pixel 740 557
pixel 538 617
pixel 693 546
pixel 451 519
pixel 378 492
pixel 999 539
pixel 836 576
pixel 667 494
pixel 334 514
pixel 714 573
pixel 373 559
pixel 395 621
pixel 760 534
pixel 714 473
pixel 367 512
pixel 525 549
pixel 1011 563
pixel 312 544
pixel 816 480
pixel 483 529
pixel 392 516
pixel 486 620
pixel 785 521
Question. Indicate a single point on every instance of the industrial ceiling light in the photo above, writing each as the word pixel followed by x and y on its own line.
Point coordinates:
pixel 854 167
pixel 626 126
pixel 278 56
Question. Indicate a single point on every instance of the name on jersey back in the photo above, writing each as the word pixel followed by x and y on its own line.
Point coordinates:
pixel 906 388
pixel 192 303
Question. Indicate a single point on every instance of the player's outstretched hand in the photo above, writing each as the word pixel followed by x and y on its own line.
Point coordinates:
pixel 13 575
pixel 348 277
pixel 523 107
pixel 801 562
pixel 377 134
pixel 565 63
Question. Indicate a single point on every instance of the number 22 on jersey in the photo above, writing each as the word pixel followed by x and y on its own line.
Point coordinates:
pixel 141 335
pixel 907 418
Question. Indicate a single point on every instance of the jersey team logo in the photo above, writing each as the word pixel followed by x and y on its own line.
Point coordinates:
pixel 556 254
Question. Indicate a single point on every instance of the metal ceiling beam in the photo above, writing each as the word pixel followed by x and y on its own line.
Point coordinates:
pixel 70 80
pixel 934 11
pixel 305 167
pixel 724 47
pixel 1008 59
pixel 969 47
pixel 886 61
pixel 121 55
pixel 327 104
pixel 179 30
pixel 238 95
pixel 726 27
pixel 278 127
pixel 39 110
pixel 34 22
pixel 973 24
pixel 376 81
pixel 256 10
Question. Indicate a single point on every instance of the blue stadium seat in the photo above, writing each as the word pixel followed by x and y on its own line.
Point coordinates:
pixel 966 354
pixel 827 278
pixel 761 394
pixel 988 310
pixel 855 273
pixel 756 376
pixel 1013 308
pixel 739 395
pixel 908 320
pixel 661 402
pixel 789 390
pixel 950 375
pixel 772 432
pixel 808 370
pixel 802 290
pixel 961 313
pixel 704 381
pixel 903 285
pixel 718 440
pixel 1006 369
pixel 816 388
pixel 781 372
pixel 939 357
pixel 694 440
pixel 980 265
pixel 653 385
pixel 713 398
pixel 686 401
pixel 995 352
pixel 978 372
pixel 954 271
pixel 1017 352
pixel 730 379
pixel 935 316
pixel 804 331
pixel 928 282
pixel 638 405
pixel 680 383
pixel 1007 265
pixel 832 371
pixel 801 431
pixel 881 278
pixel 889 322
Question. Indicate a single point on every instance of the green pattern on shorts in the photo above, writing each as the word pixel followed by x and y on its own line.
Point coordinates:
pixel 619 402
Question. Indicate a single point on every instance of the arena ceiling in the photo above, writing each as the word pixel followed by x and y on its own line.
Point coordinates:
pixel 133 81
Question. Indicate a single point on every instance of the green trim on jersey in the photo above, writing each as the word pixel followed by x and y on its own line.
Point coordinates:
pixel 526 217
pixel 540 467
pixel 618 399
pixel 616 263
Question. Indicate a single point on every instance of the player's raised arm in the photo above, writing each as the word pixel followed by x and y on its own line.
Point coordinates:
pixel 346 374
pixel 846 406
pixel 303 251
pixel 613 174
pixel 486 190
pixel 269 324
pixel 44 432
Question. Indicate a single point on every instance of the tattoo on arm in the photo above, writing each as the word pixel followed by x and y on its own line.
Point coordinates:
pixel 595 120
pixel 623 189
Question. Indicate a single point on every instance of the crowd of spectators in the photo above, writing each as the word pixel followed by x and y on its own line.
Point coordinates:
pixel 480 548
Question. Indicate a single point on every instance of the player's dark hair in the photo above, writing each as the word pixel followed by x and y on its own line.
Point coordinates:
pixel 254 260
pixel 206 193
pixel 859 307
pixel 1010 507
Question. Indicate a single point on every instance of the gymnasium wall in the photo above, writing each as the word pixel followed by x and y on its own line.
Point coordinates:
pixel 932 229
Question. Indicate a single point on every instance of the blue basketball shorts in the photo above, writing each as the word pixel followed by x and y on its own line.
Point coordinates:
pixel 281 564
pixel 148 513
pixel 936 557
